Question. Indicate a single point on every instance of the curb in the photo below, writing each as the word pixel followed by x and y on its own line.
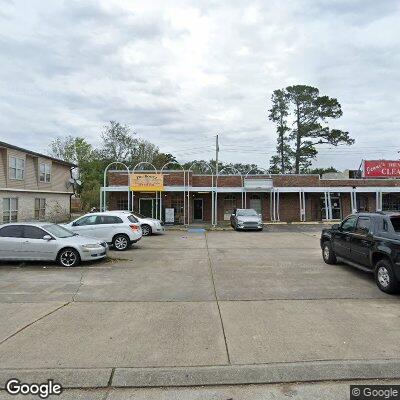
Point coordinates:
pixel 312 371
pixel 67 377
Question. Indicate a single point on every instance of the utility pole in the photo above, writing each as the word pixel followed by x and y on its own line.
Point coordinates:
pixel 216 155
pixel 216 180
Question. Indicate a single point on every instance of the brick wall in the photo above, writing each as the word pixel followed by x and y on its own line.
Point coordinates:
pixel 175 178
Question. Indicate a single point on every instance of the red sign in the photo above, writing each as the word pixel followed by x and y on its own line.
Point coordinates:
pixel 381 169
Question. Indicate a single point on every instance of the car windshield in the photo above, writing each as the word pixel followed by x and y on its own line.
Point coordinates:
pixel 58 231
pixel 132 218
pixel 247 213
pixel 139 215
pixel 396 223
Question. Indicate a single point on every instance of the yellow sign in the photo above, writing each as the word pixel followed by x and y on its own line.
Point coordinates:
pixel 147 182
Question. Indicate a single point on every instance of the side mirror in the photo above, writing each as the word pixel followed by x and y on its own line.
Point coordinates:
pixel 47 237
pixel 74 224
pixel 260 215
pixel 335 227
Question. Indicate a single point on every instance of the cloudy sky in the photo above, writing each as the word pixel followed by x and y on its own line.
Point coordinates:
pixel 181 71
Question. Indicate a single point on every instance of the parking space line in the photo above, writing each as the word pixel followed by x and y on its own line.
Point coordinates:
pixel 216 298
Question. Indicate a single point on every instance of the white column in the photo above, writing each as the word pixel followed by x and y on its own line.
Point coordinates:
pixel 329 206
pixel 378 200
pixel 301 205
pixel 101 199
pixel 277 205
pixel 326 206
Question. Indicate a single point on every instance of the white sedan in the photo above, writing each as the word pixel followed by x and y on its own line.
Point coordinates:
pixel 50 242
pixel 148 225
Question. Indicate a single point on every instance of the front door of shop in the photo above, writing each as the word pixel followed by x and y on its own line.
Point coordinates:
pixel 255 203
pixel 198 209
pixel 146 207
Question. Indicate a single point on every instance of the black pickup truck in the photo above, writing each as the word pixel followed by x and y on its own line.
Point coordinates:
pixel 369 241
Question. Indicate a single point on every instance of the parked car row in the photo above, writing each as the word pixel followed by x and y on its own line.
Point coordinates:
pixel 86 238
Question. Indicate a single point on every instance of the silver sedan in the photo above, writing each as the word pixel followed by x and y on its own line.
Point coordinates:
pixel 51 242
pixel 243 218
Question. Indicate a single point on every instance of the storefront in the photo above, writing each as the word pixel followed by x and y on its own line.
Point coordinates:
pixel 186 198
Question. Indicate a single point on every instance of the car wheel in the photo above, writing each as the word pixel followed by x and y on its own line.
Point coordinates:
pixel 68 258
pixel 121 242
pixel 328 254
pixel 385 278
pixel 146 230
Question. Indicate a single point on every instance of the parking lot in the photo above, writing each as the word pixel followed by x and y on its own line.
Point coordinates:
pixel 188 308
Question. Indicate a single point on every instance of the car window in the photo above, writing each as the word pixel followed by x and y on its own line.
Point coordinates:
pixel 33 232
pixel 131 218
pixel 59 231
pixel 89 220
pixel 385 225
pixel 363 225
pixel 247 212
pixel 396 223
pixel 349 224
pixel 108 219
pixel 14 231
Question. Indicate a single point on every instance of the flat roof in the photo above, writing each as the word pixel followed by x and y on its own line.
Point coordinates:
pixel 34 153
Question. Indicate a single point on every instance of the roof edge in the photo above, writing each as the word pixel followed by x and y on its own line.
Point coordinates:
pixel 34 153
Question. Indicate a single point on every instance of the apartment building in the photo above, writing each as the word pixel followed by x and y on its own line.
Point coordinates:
pixel 33 186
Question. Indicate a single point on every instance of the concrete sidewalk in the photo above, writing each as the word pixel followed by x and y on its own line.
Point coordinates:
pixel 198 309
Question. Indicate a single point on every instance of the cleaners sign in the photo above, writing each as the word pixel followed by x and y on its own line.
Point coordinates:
pixel 381 169
pixel 147 182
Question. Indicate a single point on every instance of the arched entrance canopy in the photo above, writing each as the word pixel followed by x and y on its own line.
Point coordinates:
pixel 184 188
pixel 213 193
pixel 103 193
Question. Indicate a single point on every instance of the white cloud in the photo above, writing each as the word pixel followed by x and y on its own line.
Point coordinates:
pixel 181 71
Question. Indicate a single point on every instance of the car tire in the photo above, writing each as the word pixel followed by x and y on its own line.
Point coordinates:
pixel 385 277
pixel 68 257
pixel 121 242
pixel 328 254
pixel 146 230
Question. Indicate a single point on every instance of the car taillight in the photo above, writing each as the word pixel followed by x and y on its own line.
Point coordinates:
pixel 134 227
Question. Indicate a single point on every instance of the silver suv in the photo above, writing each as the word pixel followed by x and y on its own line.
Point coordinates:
pixel 114 227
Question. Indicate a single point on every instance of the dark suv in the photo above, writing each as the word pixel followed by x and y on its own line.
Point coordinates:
pixel 369 241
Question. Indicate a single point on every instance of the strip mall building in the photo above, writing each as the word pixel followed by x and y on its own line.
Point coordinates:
pixel 185 197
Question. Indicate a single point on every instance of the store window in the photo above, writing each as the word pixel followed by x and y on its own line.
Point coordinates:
pixel 16 168
pixel 10 209
pixel 229 206
pixel 390 202
pixel 44 172
pixel 40 208
pixel 122 203
pixel 336 206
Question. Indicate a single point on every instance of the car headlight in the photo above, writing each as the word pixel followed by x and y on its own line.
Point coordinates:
pixel 90 246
